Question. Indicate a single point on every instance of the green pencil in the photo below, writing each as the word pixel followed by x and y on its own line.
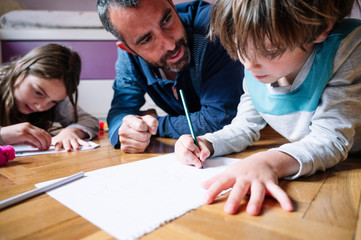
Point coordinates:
pixel 189 119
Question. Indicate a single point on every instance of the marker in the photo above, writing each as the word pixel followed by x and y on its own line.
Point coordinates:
pixel 29 194
pixel 189 120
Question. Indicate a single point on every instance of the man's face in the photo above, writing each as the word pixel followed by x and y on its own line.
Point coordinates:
pixel 153 31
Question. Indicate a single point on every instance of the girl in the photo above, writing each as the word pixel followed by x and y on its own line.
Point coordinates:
pixel 38 90
pixel 302 77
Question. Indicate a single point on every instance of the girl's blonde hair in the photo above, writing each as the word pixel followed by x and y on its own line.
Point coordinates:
pixel 51 61
pixel 285 24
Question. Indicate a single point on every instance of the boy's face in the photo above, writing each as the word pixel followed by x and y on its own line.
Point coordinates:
pixel 34 94
pixel 282 69
pixel 154 32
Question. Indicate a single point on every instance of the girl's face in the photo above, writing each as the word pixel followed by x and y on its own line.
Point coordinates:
pixel 35 94
pixel 282 69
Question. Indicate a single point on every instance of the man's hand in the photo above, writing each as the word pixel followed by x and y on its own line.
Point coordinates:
pixel 135 132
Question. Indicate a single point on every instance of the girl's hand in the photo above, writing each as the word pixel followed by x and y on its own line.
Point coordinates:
pixel 188 153
pixel 26 133
pixel 256 176
pixel 69 138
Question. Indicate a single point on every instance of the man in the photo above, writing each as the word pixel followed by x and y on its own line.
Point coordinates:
pixel 164 48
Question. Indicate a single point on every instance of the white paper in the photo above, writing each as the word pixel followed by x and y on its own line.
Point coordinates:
pixel 133 199
pixel 24 150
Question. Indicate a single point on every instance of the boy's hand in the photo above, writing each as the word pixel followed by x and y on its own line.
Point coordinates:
pixel 136 131
pixel 188 153
pixel 69 138
pixel 26 133
pixel 257 175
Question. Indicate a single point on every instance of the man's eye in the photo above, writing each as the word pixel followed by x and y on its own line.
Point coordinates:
pixel 167 21
pixel 146 40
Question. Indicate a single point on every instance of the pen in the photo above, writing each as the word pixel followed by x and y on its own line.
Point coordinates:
pixel 189 120
pixel 29 194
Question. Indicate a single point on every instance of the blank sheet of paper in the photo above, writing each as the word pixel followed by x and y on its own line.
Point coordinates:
pixel 133 199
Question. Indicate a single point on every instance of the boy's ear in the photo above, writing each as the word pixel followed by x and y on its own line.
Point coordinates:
pixel 323 35
pixel 124 47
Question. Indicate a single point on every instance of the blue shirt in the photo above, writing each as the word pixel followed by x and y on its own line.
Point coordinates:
pixel 211 83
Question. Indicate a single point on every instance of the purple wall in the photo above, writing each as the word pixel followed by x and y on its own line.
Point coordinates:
pixel 98 57
pixel 78 5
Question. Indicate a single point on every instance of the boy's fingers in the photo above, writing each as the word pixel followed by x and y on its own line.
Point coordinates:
pixel 216 188
pixel 188 143
pixel 191 159
pixel 280 195
pixel 204 154
pixel 258 193
pixel 238 192
pixel 209 182
pixel 197 162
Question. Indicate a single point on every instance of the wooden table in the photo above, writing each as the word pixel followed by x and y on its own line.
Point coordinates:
pixel 327 204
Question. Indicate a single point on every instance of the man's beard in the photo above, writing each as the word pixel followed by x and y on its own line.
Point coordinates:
pixel 176 66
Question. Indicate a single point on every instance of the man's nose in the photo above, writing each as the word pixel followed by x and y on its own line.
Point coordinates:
pixel 167 42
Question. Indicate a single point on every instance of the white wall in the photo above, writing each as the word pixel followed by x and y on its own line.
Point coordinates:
pixel 356 13
pixel 77 5
pixel 95 97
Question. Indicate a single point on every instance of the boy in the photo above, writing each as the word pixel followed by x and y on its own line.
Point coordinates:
pixel 302 77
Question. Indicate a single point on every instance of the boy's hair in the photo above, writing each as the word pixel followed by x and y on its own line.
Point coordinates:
pixel 272 26
pixel 51 61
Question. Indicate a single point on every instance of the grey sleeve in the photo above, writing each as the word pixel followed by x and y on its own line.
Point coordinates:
pixel 337 120
pixel 86 122
pixel 243 130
